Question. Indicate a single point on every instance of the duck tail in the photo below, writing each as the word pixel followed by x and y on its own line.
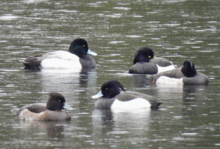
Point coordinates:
pixel 15 111
pixel 31 62
pixel 155 104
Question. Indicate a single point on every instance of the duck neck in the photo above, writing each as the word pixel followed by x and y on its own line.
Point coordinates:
pixel 141 58
pixel 111 94
pixel 79 51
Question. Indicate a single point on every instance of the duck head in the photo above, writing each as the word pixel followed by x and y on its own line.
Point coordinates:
pixel 143 55
pixel 80 48
pixel 188 69
pixel 109 89
pixel 57 102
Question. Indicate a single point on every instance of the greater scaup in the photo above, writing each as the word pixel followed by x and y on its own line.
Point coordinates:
pixel 112 97
pixel 75 58
pixel 186 75
pixel 52 111
pixel 146 63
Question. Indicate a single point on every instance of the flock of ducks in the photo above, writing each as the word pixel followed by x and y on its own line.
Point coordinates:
pixel 112 94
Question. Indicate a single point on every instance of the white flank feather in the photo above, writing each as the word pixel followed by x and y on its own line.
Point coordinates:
pixel 163 80
pixel 162 69
pixel 61 60
pixel 135 103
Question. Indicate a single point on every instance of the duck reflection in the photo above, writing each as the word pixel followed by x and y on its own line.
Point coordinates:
pixel 183 92
pixel 193 92
pixel 67 80
pixel 52 129
pixel 119 121
pixel 88 77
pixel 139 80
pixel 195 88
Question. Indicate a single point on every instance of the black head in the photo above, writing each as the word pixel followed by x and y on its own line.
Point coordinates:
pixel 188 69
pixel 55 102
pixel 143 55
pixel 111 88
pixel 79 47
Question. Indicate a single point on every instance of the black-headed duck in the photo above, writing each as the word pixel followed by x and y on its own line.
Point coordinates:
pixel 111 96
pixel 75 58
pixel 51 111
pixel 185 75
pixel 146 63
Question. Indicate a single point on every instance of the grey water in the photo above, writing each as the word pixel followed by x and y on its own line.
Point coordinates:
pixel 175 29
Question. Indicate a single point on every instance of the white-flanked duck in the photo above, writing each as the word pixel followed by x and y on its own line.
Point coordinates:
pixel 75 58
pixel 186 75
pixel 146 63
pixel 112 97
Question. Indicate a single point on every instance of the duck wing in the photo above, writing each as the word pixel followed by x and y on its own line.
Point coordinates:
pixel 128 95
pixel 143 68
pixel 160 61
pixel 35 108
pixel 175 73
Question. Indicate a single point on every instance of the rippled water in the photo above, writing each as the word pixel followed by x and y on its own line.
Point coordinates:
pixel 174 29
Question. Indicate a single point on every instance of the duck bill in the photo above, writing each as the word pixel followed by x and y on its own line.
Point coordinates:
pixel 97 95
pixel 91 53
pixel 66 106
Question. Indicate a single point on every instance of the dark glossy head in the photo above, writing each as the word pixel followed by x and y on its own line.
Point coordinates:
pixel 188 69
pixel 79 47
pixel 111 88
pixel 56 102
pixel 143 55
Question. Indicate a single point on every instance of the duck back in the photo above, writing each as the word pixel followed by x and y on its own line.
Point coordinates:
pixel 143 68
pixel 160 61
pixel 198 79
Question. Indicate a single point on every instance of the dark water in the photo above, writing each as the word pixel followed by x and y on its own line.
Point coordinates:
pixel 175 29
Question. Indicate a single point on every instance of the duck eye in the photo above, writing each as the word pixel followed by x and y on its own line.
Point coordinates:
pixel 149 56
pixel 106 88
pixel 59 100
pixel 83 45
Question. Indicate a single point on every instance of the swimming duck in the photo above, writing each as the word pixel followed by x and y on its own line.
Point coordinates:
pixel 112 97
pixel 186 75
pixel 145 63
pixel 75 58
pixel 52 111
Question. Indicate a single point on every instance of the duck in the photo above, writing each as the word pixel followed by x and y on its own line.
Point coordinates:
pixel 146 63
pixel 114 96
pixel 186 75
pixel 75 58
pixel 50 111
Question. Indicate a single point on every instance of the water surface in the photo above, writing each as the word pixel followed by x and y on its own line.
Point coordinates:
pixel 175 29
